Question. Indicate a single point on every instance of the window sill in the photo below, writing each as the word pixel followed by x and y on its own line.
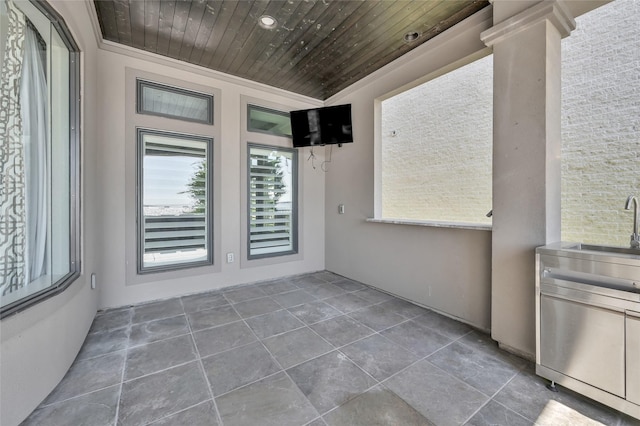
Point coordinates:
pixel 434 224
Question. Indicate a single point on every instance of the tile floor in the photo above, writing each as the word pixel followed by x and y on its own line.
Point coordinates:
pixel 316 349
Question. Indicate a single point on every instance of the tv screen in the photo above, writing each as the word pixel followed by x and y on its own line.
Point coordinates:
pixel 322 126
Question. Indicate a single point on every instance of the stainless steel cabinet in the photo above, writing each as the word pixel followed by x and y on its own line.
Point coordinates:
pixel 588 322
pixel 584 342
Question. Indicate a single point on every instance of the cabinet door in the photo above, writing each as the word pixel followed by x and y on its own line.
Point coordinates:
pixel 584 342
pixel 633 357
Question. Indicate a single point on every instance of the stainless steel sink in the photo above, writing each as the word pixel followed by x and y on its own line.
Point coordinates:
pixel 605 249
pixel 606 267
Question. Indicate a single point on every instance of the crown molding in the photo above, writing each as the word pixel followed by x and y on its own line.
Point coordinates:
pixel 554 11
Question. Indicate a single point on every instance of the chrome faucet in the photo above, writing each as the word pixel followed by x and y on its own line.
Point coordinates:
pixel 635 237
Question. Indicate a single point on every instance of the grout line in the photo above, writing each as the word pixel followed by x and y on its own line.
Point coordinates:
pixel 204 373
pixel 124 369
pixel 177 412
pixel 335 348
pixel 491 398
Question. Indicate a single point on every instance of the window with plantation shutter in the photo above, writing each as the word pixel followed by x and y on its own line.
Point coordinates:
pixel 174 202
pixel 272 201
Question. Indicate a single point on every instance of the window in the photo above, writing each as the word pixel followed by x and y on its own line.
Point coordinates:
pixel 269 121
pixel 436 148
pixel 39 237
pixel 272 203
pixel 174 201
pixel 173 102
pixel 600 131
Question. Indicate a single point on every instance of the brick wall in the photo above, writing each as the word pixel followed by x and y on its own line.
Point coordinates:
pixel 436 138
pixel 601 124
pixel 436 148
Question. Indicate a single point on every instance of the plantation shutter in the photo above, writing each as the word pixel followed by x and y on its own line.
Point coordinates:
pixel 271 201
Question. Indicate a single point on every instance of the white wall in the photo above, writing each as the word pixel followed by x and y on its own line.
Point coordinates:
pixel 115 183
pixel 443 268
pixel 38 345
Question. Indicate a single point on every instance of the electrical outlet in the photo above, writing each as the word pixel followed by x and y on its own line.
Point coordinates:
pixel 230 258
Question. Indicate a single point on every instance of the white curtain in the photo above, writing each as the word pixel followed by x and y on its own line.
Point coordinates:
pixel 12 168
pixel 33 98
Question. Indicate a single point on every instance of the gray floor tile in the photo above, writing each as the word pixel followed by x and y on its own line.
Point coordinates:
pixel 111 320
pixel 212 317
pixel 443 325
pixel 203 301
pixel 237 367
pixel 377 407
pixel 313 312
pixel 89 375
pixel 373 296
pixel 157 310
pixel 293 298
pixel 166 385
pixel 274 401
pixel 244 294
pixel 203 414
pixel 347 302
pixel 278 286
pixel 94 409
pixel 482 342
pixel 260 306
pixel 330 380
pixel 628 421
pixel 494 414
pixel 214 340
pixel 527 395
pixel 377 317
pixel 153 397
pixel 404 308
pixel 152 357
pixel 323 291
pixel 152 331
pixel 273 323
pixel 296 346
pixel 104 342
pixel 418 339
pixel 328 276
pixel 307 281
pixel 441 398
pixel 479 369
pixel 348 285
pixel 379 356
pixel 341 330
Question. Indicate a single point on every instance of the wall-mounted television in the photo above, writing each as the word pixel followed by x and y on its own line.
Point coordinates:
pixel 322 126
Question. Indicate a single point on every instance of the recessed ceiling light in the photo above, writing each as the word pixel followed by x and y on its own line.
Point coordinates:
pixel 267 22
pixel 411 36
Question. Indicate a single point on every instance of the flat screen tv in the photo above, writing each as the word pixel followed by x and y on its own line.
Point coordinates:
pixel 322 126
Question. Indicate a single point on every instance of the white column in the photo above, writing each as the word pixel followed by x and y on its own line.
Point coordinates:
pixel 526 157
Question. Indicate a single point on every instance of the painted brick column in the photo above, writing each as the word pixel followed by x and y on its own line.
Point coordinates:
pixel 526 46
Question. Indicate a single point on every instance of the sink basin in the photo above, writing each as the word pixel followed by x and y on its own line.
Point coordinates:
pixel 607 267
pixel 605 249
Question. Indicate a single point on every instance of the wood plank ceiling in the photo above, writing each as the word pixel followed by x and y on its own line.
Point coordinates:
pixel 317 48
